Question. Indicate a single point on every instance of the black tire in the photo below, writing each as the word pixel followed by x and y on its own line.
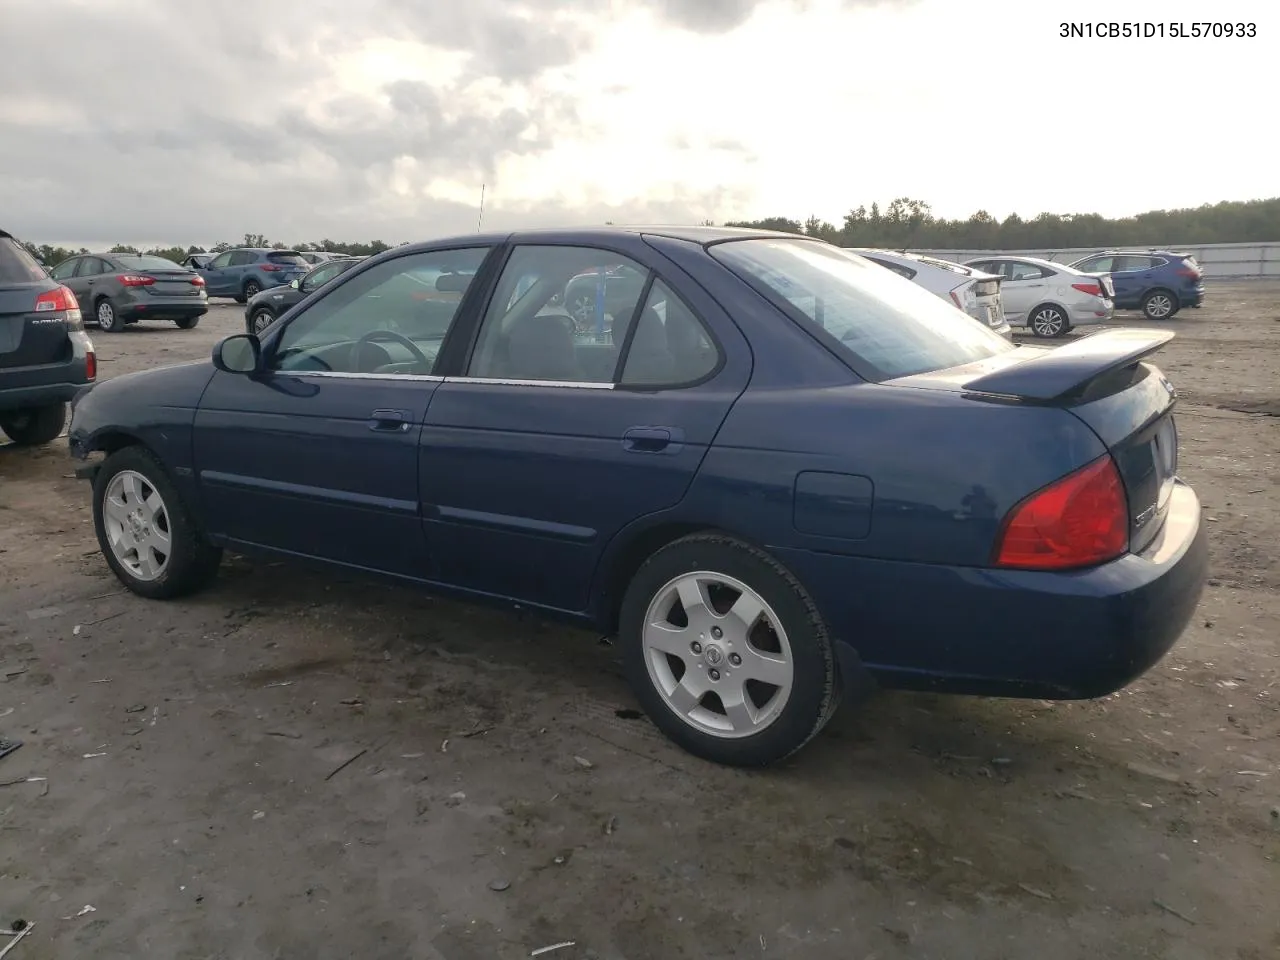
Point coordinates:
pixel 194 561
pixel 815 689
pixel 187 323
pixel 240 298
pixel 1049 321
pixel 260 320
pixel 1160 305
pixel 109 319
pixel 31 428
pixel 251 289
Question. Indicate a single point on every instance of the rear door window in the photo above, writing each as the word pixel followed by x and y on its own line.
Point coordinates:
pixel 17 265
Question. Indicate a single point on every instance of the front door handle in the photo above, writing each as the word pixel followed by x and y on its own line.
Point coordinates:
pixel 390 421
pixel 647 439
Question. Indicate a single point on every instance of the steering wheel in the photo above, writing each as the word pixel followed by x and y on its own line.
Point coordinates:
pixel 375 335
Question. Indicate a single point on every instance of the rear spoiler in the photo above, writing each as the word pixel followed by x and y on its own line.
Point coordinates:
pixel 1056 374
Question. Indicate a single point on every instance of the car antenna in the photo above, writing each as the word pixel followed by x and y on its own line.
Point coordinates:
pixel 480 219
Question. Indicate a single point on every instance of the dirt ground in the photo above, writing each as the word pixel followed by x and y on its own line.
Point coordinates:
pixel 501 794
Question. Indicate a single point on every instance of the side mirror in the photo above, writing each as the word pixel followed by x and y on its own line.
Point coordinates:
pixel 241 353
pixel 296 284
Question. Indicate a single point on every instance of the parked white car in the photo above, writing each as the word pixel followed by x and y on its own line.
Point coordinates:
pixel 974 292
pixel 1049 298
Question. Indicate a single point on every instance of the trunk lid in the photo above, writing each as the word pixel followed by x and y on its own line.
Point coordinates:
pixel 172 283
pixel 1104 381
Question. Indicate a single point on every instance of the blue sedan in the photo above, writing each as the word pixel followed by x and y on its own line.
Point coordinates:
pixel 779 474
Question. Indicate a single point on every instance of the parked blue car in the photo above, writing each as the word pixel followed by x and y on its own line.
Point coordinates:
pixel 245 272
pixel 1157 282
pixel 778 474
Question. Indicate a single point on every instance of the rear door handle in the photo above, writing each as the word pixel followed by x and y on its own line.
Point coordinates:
pixel 647 439
pixel 390 421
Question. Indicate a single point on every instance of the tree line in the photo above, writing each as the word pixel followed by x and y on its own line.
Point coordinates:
pixel 910 224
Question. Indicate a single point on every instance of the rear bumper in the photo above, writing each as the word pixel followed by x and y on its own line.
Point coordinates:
pixel 161 308
pixel 1072 635
pixel 28 398
pixel 1095 311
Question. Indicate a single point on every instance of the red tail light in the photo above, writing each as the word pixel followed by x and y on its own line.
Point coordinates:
pixel 1189 272
pixel 272 267
pixel 197 281
pixel 91 365
pixel 56 301
pixel 133 280
pixel 1079 521
pixel 1092 289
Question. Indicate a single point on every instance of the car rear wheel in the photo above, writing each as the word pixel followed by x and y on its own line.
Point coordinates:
pixel 1159 305
pixel 262 318
pixel 1049 321
pixel 108 319
pixel 30 428
pixel 726 652
pixel 186 323
pixel 146 531
pixel 251 289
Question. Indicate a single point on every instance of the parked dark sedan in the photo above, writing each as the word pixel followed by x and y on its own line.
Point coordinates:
pixel 786 474
pixel 116 289
pixel 264 307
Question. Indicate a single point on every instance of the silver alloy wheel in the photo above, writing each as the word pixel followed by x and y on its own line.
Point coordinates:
pixel 711 641
pixel 106 314
pixel 137 525
pixel 261 320
pixel 1048 322
pixel 1159 306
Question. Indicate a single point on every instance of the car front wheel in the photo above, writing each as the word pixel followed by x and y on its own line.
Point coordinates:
pixel 31 428
pixel 726 652
pixel 146 532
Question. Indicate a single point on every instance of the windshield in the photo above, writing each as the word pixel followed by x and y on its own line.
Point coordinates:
pixel 144 262
pixel 287 256
pixel 884 328
pixel 943 264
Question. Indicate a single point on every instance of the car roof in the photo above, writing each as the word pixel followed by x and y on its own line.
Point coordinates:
pixel 701 235
pixel 995 257
pixel 1138 251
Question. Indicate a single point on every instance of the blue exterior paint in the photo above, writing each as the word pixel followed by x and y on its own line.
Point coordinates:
pixel 883 499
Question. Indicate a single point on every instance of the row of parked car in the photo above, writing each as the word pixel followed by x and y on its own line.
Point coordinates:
pixel 1001 291
pixel 1049 298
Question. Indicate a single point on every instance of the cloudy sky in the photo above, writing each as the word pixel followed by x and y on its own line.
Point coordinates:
pixel 153 121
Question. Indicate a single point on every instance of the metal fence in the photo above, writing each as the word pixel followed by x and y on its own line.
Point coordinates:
pixel 1220 261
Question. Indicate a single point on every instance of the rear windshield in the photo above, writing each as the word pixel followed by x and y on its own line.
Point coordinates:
pixel 144 262
pixel 17 265
pixel 883 327
pixel 287 256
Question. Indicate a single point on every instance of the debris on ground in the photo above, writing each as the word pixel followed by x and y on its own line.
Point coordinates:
pixel 555 946
pixel 583 762
pixel 8 746
pixel 20 929
pixel 497 886
pixel 1170 910
pixel 83 911
pixel 346 763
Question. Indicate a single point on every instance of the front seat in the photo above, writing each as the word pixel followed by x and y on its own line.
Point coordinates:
pixel 541 348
